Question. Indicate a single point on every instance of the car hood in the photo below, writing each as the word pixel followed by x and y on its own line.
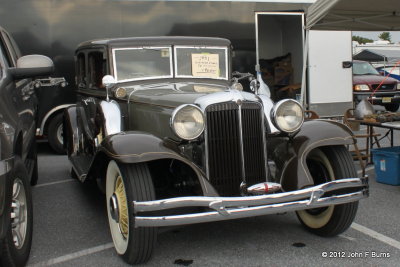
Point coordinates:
pixel 372 79
pixel 173 94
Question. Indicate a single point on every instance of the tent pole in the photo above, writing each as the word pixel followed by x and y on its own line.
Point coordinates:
pixel 303 94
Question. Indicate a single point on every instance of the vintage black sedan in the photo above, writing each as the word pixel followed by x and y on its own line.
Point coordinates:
pixel 172 139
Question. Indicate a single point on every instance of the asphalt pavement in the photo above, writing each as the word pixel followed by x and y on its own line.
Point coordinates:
pixel 71 229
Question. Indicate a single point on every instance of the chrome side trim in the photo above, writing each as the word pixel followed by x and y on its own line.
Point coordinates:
pixel 40 131
pixel 6 165
pixel 240 207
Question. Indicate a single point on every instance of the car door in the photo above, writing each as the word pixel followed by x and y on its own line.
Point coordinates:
pixel 19 96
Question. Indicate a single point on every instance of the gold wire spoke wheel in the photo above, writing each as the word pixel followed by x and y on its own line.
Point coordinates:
pixel 123 206
pixel 117 208
pixel 126 183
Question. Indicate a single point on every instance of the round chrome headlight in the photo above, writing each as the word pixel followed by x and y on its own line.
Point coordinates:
pixel 187 122
pixel 288 115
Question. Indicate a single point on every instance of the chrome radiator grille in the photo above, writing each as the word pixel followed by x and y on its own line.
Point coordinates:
pixel 226 141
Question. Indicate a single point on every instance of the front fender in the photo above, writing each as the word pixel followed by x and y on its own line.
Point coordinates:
pixel 135 147
pixel 290 155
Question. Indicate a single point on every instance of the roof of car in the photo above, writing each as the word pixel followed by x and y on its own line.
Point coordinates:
pixel 157 40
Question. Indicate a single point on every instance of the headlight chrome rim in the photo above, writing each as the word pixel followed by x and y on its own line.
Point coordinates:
pixel 274 114
pixel 175 113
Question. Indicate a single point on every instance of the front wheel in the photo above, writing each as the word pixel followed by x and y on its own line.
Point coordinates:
pixel 16 246
pixel 126 183
pixel 326 165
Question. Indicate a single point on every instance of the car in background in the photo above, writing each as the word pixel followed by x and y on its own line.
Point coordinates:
pixel 18 157
pixel 392 71
pixel 369 84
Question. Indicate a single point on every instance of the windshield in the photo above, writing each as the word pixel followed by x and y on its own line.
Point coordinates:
pixel 142 63
pixel 201 62
pixel 364 68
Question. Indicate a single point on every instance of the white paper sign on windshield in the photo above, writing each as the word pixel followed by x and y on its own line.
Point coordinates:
pixel 205 65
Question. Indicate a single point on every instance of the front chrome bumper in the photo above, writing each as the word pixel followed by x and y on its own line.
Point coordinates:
pixel 227 208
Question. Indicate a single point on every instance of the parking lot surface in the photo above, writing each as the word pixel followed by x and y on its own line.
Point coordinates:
pixel 71 229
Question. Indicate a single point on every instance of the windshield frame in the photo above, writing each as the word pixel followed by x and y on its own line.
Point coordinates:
pixel 200 47
pixel 171 73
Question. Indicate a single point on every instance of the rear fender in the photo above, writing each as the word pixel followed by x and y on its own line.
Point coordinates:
pixel 290 155
pixel 136 147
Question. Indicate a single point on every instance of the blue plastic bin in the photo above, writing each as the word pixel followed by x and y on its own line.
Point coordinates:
pixel 387 165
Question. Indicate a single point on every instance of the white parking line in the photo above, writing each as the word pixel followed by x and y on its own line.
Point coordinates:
pixel 53 183
pixel 74 255
pixel 385 239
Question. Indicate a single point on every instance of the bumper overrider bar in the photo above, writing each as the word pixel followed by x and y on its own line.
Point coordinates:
pixel 227 208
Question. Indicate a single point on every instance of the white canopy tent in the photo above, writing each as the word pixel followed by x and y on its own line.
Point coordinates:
pixel 350 15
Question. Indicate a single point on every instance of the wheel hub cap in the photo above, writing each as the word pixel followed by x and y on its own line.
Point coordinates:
pixel 114 208
pixel 18 214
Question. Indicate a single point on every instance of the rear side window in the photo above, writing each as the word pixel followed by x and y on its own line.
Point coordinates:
pixel 13 50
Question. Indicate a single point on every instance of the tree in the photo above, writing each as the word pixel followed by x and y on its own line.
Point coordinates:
pixel 361 40
pixel 385 36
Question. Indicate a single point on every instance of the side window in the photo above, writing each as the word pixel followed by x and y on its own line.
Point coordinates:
pixel 13 50
pixel 5 55
pixel 81 79
pixel 96 69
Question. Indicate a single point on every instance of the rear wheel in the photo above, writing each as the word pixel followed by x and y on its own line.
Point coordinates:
pixel 326 165
pixel 126 183
pixel 16 246
pixel 391 107
pixel 55 133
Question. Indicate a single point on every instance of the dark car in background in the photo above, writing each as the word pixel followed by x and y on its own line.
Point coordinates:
pixel 170 137
pixel 369 84
pixel 18 158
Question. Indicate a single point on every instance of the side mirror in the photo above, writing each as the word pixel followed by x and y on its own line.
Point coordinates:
pixel 108 81
pixel 33 66
pixel 347 64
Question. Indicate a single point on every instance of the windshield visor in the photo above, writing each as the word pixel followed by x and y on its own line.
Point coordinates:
pixel 132 64
pixel 201 62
